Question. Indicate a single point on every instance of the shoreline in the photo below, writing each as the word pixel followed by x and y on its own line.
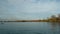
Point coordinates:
pixel 31 21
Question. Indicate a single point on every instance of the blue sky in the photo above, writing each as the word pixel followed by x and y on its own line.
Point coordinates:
pixel 28 9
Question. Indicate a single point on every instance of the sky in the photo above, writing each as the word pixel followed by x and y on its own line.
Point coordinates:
pixel 28 9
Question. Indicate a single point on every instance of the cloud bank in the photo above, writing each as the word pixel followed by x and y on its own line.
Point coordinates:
pixel 28 9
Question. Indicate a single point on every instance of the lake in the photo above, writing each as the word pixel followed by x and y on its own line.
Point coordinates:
pixel 29 28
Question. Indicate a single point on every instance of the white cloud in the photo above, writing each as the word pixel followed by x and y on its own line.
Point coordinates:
pixel 42 7
pixel 28 9
pixel 28 6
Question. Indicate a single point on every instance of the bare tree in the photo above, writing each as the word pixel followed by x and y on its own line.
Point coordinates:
pixel 53 16
pixel 58 15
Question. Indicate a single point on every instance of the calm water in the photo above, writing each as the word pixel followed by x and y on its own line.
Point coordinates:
pixel 29 28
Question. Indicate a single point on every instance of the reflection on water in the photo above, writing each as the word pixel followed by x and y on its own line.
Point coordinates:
pixel 55 28
pixel 29 28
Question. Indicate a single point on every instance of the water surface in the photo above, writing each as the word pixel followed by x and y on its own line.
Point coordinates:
pixel 29 28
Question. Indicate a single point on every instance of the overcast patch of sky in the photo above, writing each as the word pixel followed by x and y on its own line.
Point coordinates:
pixel 28 9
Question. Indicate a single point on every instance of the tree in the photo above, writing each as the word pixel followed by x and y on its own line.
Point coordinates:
pixel 53 16
pixel 58 15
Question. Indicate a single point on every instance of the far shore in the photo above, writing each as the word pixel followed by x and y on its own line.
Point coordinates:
pixel 31 21
pixel 26 21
